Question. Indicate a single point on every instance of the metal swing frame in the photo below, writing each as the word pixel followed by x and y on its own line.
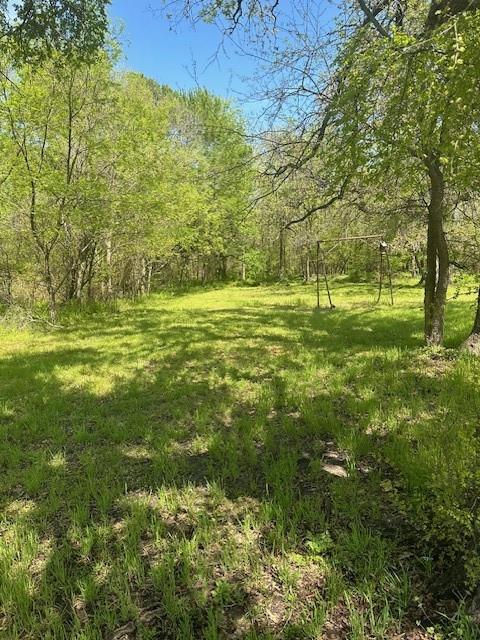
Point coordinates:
pixel 385 267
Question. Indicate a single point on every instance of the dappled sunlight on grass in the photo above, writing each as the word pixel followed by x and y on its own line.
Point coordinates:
pixel 235 463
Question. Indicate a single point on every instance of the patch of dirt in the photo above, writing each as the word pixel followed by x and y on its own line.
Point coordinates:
pixel 334 461
pixel 413 634
pixel 270 604
pixel 80 609
pixel 337 627
pixel 437 364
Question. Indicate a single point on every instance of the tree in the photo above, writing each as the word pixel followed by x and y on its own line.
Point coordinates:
pixel 410 107
pixel 53 117
pixel 34 29
pixel 219 134
pixel 107 180
pixel 392 83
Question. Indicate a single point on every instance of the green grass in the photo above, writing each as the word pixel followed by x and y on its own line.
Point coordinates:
pixel 233 463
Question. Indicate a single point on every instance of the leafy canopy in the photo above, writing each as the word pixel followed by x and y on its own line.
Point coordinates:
pixel 33 29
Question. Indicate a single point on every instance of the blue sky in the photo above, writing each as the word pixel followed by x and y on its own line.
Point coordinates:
pixel 181 58
pixel 185 56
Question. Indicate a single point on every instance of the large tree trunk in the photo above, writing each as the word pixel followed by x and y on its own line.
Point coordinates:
pixel 437 272
pixel 472 343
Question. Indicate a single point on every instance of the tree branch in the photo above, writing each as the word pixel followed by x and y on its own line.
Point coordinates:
pixel 320 207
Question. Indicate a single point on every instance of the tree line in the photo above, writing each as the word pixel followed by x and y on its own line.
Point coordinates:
pixel 110 182
pixel 381 113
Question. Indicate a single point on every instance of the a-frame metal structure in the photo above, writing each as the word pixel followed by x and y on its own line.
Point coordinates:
pixel 385 268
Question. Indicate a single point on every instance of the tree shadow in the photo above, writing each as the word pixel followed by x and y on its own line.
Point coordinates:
pixel 183 500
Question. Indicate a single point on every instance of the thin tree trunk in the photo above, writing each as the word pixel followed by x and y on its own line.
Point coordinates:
pixel 143 276
pixel 420 264
pixel 472 343
pixel 90 272
pixel 437 271
pixel 414 266
pixel 148 282
pixel 7 280
pixel 80 279
pixel 223 267
pixel 72 280
pixel 281 256
pixel 52 294
pixel 108 260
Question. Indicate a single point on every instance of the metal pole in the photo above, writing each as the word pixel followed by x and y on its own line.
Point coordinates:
pixel 381 277
pixel 389 272
pixel 332 306
pixel 318 274
pixel 343 238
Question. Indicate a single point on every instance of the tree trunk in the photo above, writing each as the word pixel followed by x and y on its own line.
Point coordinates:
pixel 49 284
pixel 80 280
pixel 414 266
pixel 90 272
pixel 72 280
pixel 472 343
pixel 437 271
pixel 281 256
pixel 223 267
pixel 7 280
pixel 148 282
pixel 420 264
pixel 143 275
pixel 108 261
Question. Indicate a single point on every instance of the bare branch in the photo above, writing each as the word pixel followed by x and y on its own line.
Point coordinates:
pixel 320 207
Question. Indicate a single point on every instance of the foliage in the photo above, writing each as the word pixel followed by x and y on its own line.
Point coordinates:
pixel 109 179
pixel 36 29
pixel 404 98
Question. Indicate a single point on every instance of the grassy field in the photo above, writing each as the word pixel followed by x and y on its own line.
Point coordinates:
pixel 233 463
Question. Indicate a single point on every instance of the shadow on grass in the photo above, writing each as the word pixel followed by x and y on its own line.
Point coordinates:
pixel 192 499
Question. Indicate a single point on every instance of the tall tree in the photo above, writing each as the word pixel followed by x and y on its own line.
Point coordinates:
pixel 107 179
pixel 394 83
